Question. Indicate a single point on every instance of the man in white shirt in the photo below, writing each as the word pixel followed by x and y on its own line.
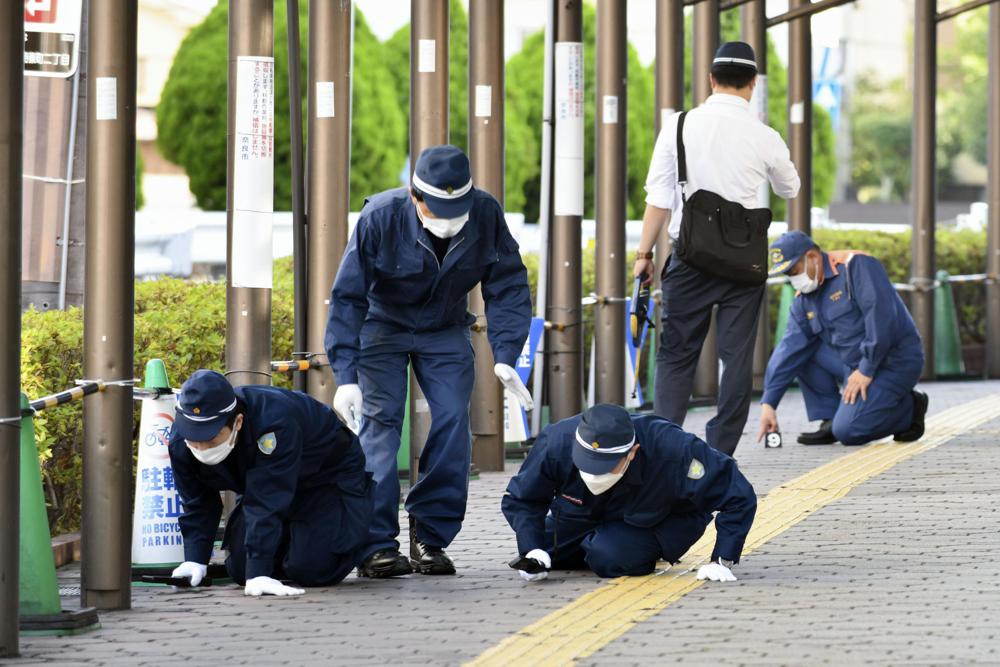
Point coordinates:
pixel 731 153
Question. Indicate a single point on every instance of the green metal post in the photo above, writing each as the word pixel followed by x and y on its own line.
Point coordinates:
pixel 947 340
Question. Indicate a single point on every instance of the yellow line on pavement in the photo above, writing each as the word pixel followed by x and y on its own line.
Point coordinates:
pixel 599 617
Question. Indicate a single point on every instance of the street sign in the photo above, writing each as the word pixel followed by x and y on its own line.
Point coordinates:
pixel 52 37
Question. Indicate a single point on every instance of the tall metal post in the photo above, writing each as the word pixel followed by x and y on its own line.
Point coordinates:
pixel 299 243
pixel 706 42
pixel 753 19
pixel 993 196
pixel 428 127
pixel 800 115
pixel 611 117
pixel 331 36
pixel 486 154
pixel 109 304
pixel 248 309
pixel 669 93
pixel 924 93
pixel 11 128
pixel 565 339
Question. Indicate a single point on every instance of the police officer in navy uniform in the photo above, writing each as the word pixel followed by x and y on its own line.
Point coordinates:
pixel 847 327
pixel 615 492
pixel 400 299
pixel 305 497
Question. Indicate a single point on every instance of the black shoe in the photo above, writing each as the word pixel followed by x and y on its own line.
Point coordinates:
pixel 385 563
pixel 916 430
pixel 822 436
pixel 426 559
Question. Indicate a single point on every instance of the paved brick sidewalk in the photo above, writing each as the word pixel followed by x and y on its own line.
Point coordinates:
pixel 874 577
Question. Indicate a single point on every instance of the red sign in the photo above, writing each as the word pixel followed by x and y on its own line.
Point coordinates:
pixel 40 11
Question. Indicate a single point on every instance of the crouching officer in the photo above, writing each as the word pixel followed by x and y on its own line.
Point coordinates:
pixel 847 326
pixel 305 498
pixel 615 492
pixel 400 299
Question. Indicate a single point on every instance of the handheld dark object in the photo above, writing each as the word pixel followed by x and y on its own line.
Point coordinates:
pixel 525 564
pixel 639 320
pixel 179 582
pixel 772 440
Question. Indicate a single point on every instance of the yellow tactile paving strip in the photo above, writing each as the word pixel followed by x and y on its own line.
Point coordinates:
pixel 596 619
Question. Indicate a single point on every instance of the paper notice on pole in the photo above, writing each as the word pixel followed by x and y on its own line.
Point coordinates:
pixel 484 101
pixel 610 109
pixel 324 99
pixel 106 98
pixel 797 113
pixel 758 100
pixel 253 173
pixel 568 171
pixel 426 55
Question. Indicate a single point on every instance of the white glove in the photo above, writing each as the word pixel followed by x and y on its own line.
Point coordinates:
pixel 267 586
pixel 195 571
pixel 715 572
pixel 542 557
pixel 512 381
pixel 347 404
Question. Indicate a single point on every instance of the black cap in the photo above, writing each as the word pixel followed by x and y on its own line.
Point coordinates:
pixel 205 403
pixel 444 179
pixel 735 54
pixel 604 437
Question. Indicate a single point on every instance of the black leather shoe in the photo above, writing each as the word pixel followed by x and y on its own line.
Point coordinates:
pixel 822 436
pixel 916 430
pixel 426 559
pixel 385 563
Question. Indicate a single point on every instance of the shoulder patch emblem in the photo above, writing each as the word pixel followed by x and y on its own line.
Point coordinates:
pixel 810 315
pixel 697 469
pixel 266 443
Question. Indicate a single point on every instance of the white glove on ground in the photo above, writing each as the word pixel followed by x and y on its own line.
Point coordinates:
pixel 347 404
pixel 512 381
pixel 267 586
pixel 194 571
pixel 542 557
pixel 715 572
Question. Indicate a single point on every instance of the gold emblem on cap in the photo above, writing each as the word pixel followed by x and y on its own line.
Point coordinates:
pixel 777 256
pixel 450 189
pixel 595 445
pixel 197 411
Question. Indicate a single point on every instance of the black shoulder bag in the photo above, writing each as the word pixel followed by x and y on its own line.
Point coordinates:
pixel 720 237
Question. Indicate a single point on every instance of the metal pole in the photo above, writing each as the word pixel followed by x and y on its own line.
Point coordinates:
pixel 486 154
pixel 68 196
pixel 299 247
pixel 800 115
pixel 805 9
pixel 544 217
pixel 331 40
pixel 706 42
pixel 924 93
pixel 611 111
pixel 109 300
pixel 753 19
pixel 961 9
pixel 428 127
pixel 248 309
pixel 565 369
pixel 993 196
pixel 11 136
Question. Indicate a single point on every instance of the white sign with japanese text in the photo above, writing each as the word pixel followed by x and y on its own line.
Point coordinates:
pixel 52 37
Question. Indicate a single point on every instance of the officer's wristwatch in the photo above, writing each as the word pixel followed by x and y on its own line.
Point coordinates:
pixel 727 563
pixel 644 255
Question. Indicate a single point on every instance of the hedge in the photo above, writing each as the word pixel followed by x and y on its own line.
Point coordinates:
pixel 183 323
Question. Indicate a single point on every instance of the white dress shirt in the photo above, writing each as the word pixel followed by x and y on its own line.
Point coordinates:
pixel 729 152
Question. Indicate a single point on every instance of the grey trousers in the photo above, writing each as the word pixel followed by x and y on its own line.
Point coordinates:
pixel 688 298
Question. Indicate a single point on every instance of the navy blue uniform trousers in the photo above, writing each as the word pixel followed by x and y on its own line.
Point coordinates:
pixel 444 366
pixel 688 299
pixel 321 520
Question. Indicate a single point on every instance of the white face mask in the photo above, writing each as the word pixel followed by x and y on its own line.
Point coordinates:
pixel 598 484
pixel 802 282
pixel 215 455
pixel 443 228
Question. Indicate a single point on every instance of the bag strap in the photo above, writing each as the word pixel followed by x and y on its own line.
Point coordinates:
pixel 681 156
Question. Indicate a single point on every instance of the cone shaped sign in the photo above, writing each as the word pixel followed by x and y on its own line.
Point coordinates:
pixel 156 533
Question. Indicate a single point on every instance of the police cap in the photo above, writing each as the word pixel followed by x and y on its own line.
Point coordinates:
pixel 206 402
pixel 443 177
pixel 604 437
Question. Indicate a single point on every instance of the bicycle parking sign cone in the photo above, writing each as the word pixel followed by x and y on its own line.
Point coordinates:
pixel 156 533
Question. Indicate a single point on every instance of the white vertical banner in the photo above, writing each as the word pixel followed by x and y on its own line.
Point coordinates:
pixel 568 169
pixel 253 173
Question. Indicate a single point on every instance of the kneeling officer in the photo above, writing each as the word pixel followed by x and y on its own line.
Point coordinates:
pixel 305 498
pixel 615 492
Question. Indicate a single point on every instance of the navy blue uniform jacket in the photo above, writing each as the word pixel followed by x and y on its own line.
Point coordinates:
pixel 311 447
pixel 857 312
pixel 661 480
pixel 390 276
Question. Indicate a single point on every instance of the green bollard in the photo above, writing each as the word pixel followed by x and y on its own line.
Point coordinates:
pixel 156 375
pixel 784 307
pixel 947 340
pixel 403 455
